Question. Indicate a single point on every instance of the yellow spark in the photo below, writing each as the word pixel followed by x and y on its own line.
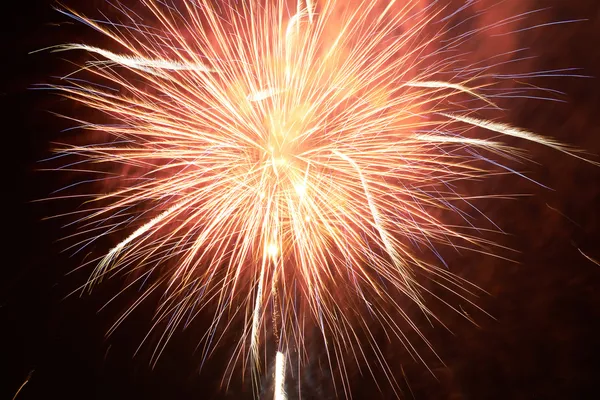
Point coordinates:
pixel 29 378
pixel 518 133
pixel 140 62
pixel 272 250
pixel 589 258
pixel 458 88
pixel 263 94
pixel 300 189
pixel 280 377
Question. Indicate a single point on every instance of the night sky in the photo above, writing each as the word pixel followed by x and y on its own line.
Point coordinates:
pixel 542 342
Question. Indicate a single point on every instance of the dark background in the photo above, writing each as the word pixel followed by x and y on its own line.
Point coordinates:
pixel 542 344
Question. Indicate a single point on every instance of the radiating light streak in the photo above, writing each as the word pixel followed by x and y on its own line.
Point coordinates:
pixel 280 377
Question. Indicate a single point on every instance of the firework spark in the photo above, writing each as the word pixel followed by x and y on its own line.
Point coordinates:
pixel 287 162
pixel 280 377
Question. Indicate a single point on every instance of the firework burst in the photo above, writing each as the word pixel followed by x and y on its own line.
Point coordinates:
pixel 288 163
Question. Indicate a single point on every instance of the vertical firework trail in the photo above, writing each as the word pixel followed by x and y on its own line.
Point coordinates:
pixel 290 164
